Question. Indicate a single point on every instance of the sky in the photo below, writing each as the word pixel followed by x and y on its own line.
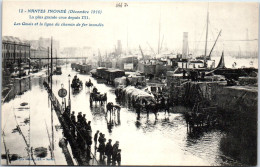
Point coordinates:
pixel 139 24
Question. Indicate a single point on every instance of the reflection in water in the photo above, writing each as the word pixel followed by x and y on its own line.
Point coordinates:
pixel 18 87
pixel 194 136
pixel 112 120
pixel 240 141
pixel 138 124
pixel 98 113
pixel 110 124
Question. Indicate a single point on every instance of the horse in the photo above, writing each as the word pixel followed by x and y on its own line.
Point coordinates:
pixel 113 109
pixel 101 98
pixel 189 120
pixel 116 108
pixel 110 108
pixel 152 107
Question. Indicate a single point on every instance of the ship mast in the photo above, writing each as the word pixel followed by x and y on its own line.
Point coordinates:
pixel 127 40
pixel 205 55
pixel 159 33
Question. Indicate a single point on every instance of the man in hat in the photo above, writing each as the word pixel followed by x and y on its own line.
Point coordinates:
pixel 100 139
pixel 79 117
pixel 73 123
pixel 88 126
pixel 83 121
pixel 89 143
pixel 73 118
pixel 95 90
pixel 95 138
pixel 66 115
pixel 103 138
pixel 115 150
pixel 102 149
pixel 109 151
pixel 118 157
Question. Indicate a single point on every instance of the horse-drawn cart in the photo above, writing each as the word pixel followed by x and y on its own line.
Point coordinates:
pixel 97 97
pixel 76 85
pixel 135 93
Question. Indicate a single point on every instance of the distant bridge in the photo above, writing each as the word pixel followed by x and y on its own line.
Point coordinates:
pixel 59 58
pixel 46 58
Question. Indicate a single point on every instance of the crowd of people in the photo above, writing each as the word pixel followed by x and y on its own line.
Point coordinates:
pixel 81 130
pixel 107 150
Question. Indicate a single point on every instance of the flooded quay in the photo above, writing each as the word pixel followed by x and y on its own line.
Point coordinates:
pixel 129 83
pixel 143 142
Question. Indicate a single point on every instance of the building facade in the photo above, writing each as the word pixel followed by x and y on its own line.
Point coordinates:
pixel 14 52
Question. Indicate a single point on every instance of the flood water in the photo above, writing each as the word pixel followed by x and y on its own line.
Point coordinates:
pixel 146 142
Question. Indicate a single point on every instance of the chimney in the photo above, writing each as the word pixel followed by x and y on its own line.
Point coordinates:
pixel 185 45
pixel 119 47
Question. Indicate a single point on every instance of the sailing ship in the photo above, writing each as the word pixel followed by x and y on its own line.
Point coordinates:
pixel 209 68
pixel 206 59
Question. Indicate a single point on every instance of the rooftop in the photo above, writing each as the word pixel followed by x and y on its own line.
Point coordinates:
pixel 13 40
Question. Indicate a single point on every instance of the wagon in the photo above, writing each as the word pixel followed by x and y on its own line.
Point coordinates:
pixel 73 65
pixel 135 93
pixel 100 72
pixel 111 74
pixel 85 68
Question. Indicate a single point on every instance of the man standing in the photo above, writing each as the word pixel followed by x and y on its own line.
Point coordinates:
pixel 115 150
pixel 95 138
pixel 109 151
pixel 73 118
pixel 138 109
pixel 73 123
pixel 118 157
pixel 101 149
pixel 88 126
pixel 89 143
pixel 167 106
pixel 79 117
pixel 95 90
pixel 83 121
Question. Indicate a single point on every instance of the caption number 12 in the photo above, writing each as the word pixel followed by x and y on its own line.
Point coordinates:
pixel 20 10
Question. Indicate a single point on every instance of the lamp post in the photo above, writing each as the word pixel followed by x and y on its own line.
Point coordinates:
pixel 69 103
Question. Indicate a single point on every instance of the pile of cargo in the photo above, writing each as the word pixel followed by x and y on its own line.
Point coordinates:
pixel 120 81
pixel 135 93
pixel 133 77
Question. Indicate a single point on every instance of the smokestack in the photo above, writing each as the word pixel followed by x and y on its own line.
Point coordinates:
pixel 185 45
pixel 119 47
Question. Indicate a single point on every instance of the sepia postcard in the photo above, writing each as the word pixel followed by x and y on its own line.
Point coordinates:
pixel 116 83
